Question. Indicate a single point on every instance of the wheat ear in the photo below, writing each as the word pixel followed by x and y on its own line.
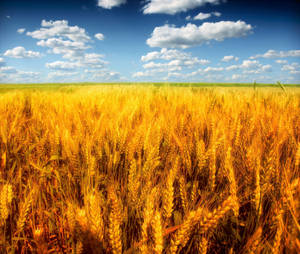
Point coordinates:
pixel 24 210
pixel 183 195
pixel 114 223
pixel 158 233
pixel 5 200
pixel 210 220
pixel 202 246
pixel 232 182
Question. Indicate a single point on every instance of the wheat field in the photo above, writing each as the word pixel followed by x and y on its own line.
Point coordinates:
pixel 129 169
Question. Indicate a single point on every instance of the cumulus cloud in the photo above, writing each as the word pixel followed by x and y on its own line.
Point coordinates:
pixel 168 63
pixel 229 58
pixel 72 43
pixel 173 54
pixel 21 52
pixel 266 68
pixel 103 74
pixel 140 74
pixel 69 49
pixel 232 67
pixel 99 36
pixel 277 54
pixel 108 4
pixel 60 29
pixel 236 76
pixel 248 64
pixel 202 16
pixel 213 69
pixel 281 61
pixel 7 70
pixel 191 35
pixel 61 74
pixel 61 65
pixel 250 67
pixel 21 30
pixel 2 62
pixel 91 60
pixel 10 74
pixel 293 68
pixel 69 41
pixel 217 14
pixel 174 6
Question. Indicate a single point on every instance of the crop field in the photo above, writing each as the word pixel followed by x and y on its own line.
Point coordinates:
pixel 149 169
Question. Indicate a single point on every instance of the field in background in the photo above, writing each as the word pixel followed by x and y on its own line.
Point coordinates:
pixel 149 169
pixel 72 86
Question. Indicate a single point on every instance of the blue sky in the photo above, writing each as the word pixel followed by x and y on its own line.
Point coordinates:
pixel 149 40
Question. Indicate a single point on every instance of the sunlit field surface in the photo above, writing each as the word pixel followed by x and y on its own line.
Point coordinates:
pixel 149 169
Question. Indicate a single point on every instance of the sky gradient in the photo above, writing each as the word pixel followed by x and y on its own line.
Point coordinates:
pixel 152 40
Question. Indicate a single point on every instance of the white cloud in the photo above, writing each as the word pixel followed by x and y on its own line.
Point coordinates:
pixel 72 43
pixel 9 74
pixel 229 58
pixel 69 49
pixel 202 16
pixel 188 17
pixel 293 68
pixel 236 76
pixel 91 60
pixel 140 74
pixel 281 61
pixel 61 74
pixel 104 75
pixel 20 52
pixel 168 61
pixel 7 70
pixel 165 54
pixel 248 64
pixel 21 30
pixel 61 65
pixel 278 54
pixel 99 36
pixel 250 67
pixel 174 6
pixel 108 4
pixel 173 54
pixel 217 14
pixel 59 28
pixel 2 62
pixel 28 74
pixel 232 67
pixel 266 68
pixel 213 69
pixel 69 41
pixel 191 35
